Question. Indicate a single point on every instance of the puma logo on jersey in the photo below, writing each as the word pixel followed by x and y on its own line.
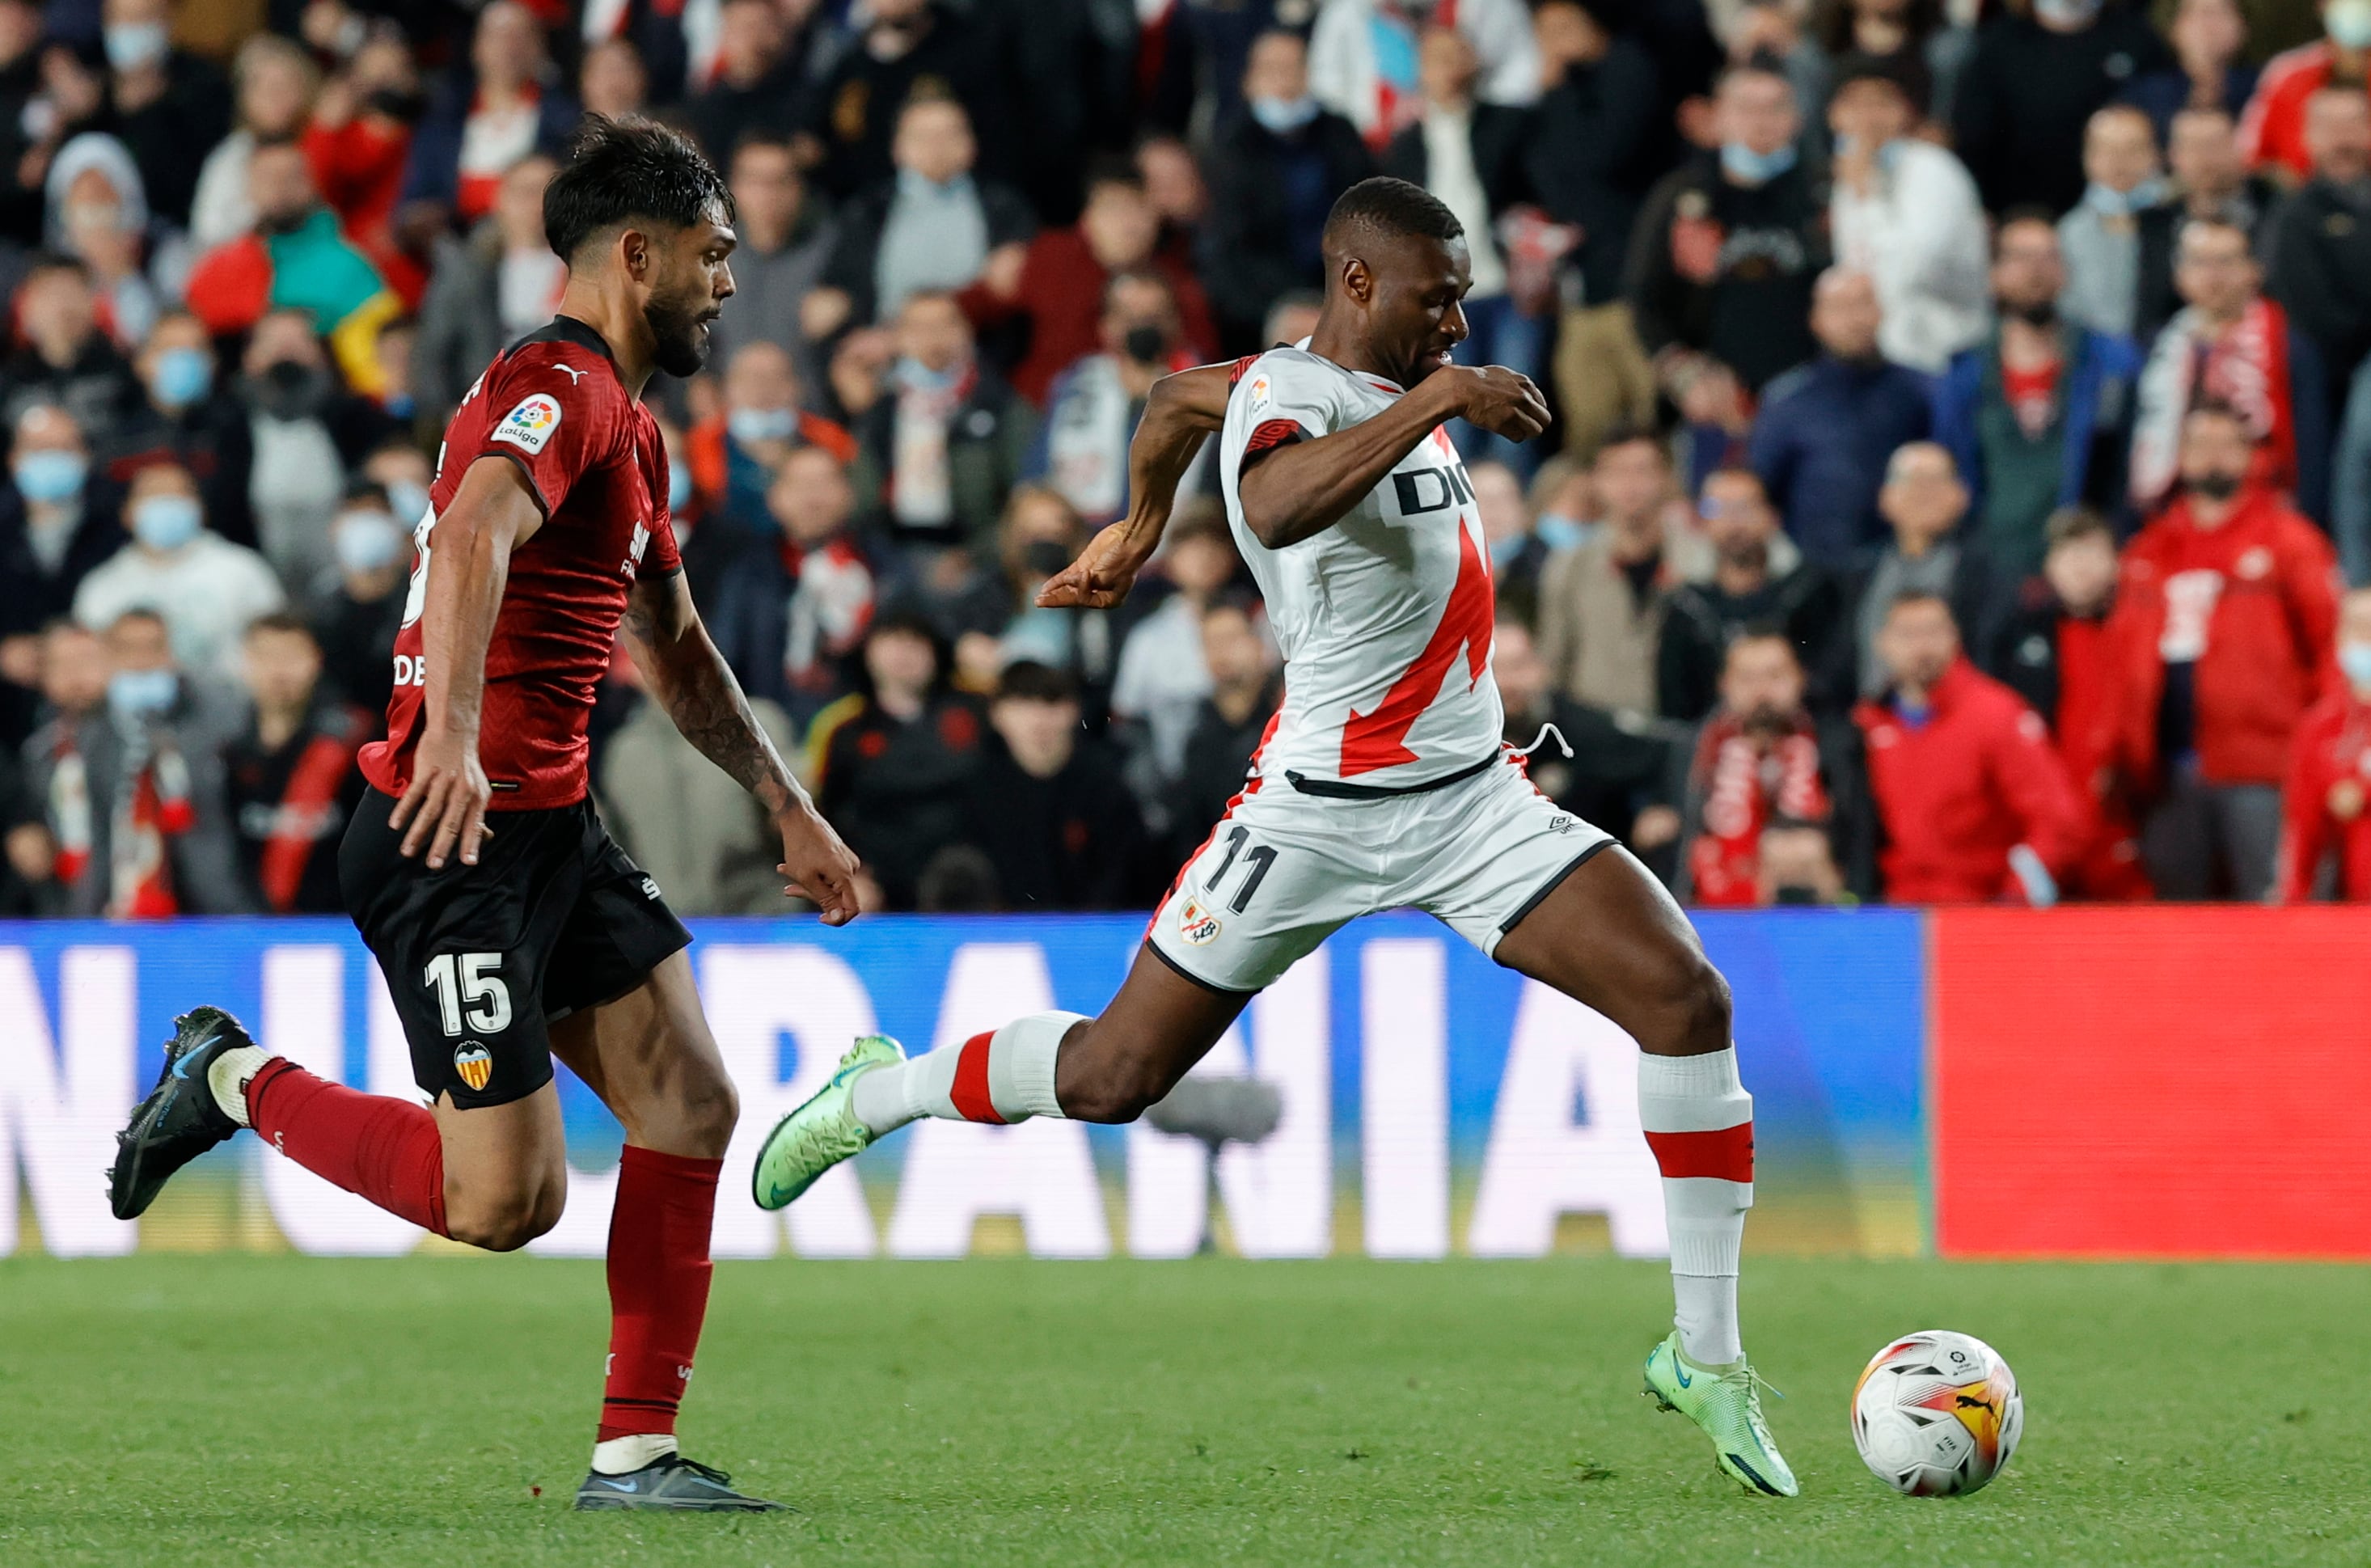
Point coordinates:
pixel 575 377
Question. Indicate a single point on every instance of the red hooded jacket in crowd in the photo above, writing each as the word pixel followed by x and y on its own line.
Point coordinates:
pixel 2323 804
pixel 2256 601
pixel 1955 794
pixel 1061 293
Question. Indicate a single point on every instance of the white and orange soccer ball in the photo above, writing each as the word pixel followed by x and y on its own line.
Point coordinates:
pixel 1936 1415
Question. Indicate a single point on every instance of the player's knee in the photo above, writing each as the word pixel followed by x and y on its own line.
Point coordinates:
pixel 1113 1091
pixel 1688 1010
pixel 508 1220
pixel 712 1108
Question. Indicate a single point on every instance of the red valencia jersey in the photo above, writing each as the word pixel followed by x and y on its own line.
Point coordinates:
pixel 591 454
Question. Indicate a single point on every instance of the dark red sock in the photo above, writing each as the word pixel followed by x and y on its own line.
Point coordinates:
pixel 658 1287
pixel 387 1149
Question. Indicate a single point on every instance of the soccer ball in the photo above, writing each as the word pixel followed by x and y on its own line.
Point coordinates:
pixel 1936 1415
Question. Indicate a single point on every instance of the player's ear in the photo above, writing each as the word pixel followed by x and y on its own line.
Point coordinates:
pixel 639 252
pixel 1357 281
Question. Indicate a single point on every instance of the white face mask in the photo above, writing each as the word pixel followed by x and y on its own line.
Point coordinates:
pixel 2355 658
pixel 2348 22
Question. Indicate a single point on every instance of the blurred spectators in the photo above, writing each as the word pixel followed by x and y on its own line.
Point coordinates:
pixel 1973 804
pixel 2223 628
pixel 98 213
pixel 493 288
pixel 1092 408
pixel 1911 38
pixel 735 453
pixel 2325 836
pixel 359 141
pixel 2233 346
pixel 1162 679
pixel 1601 603
pixel 786 241
pixel 1905 213
pixel 2100 240
pixel 66 358
pixel 2039 71
pixel 1365 64
pixel 1274 170
pixel 274 81
pixel 1047 805
pixel 2038 417
pixel 355 617
pixel 792 611
pixel 55 528
pixel 130 790
pixel 1759 765
pixel 1519 556
pixel 940 451
pixel 507 103
pixel 2210 181
pixel 1230 722
pixel 1748 587
pixel 1827 428
pixel 170 107
pixel 702 837
pixel 1058 296
pixel 892 765
pixel 904 52
pixel 188 416
pixel 289 782
pixel 2210 69
pixel 1616 772
pixel 2272 132
pixel 203 587
pixel 1726 253
pixel 758 88
pixel 1924 503
pixel 2318 255
pixel 304 430
pixel 932 225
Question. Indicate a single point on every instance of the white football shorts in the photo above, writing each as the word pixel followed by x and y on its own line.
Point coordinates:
pixel 1283 870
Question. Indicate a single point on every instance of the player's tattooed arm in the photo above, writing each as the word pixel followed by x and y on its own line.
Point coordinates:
pixel 682 666
pixel 1293 491
pixel 492 513
pixel 1182 411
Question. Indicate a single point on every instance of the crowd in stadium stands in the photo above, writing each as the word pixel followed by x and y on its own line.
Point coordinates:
pixel 1964 440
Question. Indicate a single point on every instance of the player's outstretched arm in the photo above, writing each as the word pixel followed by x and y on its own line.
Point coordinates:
pixel 692 682
pixel 1183 410
pixel 1303 487
pixel 492 513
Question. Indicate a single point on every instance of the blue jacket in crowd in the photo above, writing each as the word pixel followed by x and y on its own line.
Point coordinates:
pixel 2098 403
pixel 1826 428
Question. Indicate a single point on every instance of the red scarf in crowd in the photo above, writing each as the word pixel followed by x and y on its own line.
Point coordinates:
pixel 2247 366
pixel 154 808
pixel 1743 785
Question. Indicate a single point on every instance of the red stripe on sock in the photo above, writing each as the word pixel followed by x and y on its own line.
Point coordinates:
pixel 386 1149
pixel 970 1090
pixel 659 1275
pixel 1726 1154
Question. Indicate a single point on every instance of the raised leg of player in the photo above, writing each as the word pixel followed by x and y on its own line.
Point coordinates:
pixel 650 1057
pixel 1106 1068
pixel 1610 936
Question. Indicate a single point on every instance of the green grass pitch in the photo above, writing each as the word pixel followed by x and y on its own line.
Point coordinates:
pixel 237 1410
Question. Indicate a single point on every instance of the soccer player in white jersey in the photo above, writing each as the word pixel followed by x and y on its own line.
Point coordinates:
pixel 1383 782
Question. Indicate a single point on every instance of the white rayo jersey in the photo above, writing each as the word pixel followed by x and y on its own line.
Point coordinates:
pixel 1385 618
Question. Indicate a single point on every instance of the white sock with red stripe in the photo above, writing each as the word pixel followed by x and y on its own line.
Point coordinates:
pixel 1699 1122
pixel 1004 1076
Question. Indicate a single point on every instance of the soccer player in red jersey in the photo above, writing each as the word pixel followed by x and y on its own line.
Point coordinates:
pixel 510 927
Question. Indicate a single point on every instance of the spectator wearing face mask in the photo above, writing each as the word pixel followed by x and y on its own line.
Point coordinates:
pixel 187 417
pixel 2039 71
pixel 54 530
pixel 1759 766
pixel 1274 172
pixel 1727 250
pixel 98 214
pixel 2271 131
pixel 934 225
pixel 1827 429
pixel 1058 294
pixel 307 434
pixel 735 452
pixel 2100 240
pixel 2319 254
pixel 947 440
pixel 355 614
pixel 205 588
pixel 1601 603
pixel 289 782
pixel 1756 581
pixel 792 615
pixel 1092 408
pixel 2224 625
pixel 488 289
pixel 297 259
pixel 1973 806
pixel 2325 832
pixel 1519 554
pixel 1905 213
pixel 2232 346
pixel 1047 805
pixel 2051 647
pixel 130 791
pixel 170 106
pixel 66 359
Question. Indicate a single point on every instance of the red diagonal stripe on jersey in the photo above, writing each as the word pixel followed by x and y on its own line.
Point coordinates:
pixel 1370 741
pixel 1726 1154
pixel 970 1092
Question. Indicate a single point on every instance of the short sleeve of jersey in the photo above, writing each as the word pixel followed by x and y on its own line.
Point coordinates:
pixel 1287 397
pixel 552 416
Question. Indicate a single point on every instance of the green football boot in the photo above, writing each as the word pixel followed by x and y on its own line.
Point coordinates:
pixel 822 1132
pixel 1725 1402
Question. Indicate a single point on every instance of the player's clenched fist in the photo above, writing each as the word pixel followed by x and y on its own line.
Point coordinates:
pixel 1104 572
pixel 1492 397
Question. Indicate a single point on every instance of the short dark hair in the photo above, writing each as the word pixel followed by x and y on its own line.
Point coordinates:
pixel 1113 168
pixel 1761 631
pixel 2071 522
pixel 282 621
pixel 1026 680
pixel 2024 213
pixel 1920 596
pixel 621 169
pixel 1389 207
pixel 1630 435
pixel 1736 471
pixel 1143 276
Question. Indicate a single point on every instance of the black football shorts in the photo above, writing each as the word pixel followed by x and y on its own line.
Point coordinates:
pixel 481 959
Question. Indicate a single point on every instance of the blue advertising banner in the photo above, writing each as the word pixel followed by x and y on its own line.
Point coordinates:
pixel 1433 1101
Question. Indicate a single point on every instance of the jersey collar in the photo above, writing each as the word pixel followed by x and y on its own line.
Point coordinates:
pixel 1380 383
pixel 568 329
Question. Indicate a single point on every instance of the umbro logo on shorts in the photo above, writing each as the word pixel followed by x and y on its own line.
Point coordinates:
pixel 1563 823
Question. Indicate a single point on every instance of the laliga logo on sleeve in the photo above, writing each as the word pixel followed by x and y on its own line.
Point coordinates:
pixel 529 426
pixel 1259 394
